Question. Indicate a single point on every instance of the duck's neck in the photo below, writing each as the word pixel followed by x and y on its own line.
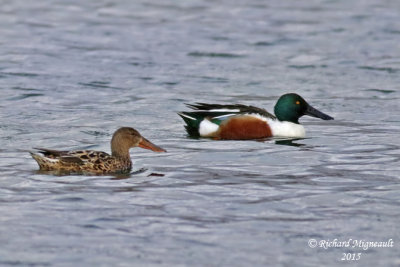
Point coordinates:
pixel 282 113
pixel 282 116
pixel 120 150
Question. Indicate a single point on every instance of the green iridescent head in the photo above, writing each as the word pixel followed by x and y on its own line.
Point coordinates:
pixel 290 107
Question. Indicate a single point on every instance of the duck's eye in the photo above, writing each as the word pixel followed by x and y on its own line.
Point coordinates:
pixel 297 102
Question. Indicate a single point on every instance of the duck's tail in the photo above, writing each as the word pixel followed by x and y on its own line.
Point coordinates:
pixel 46 159
pixel 192 121
pixel 41 160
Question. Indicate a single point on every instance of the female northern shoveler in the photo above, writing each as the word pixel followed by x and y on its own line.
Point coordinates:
pixel 240 122
pixel 97 162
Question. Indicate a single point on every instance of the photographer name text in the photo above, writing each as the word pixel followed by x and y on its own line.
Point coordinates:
pixel 350 243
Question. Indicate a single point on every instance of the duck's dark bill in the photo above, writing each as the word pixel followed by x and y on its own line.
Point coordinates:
pixel 313 112
pixel 146 144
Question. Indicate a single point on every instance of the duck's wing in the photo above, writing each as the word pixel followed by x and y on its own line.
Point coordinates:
pixel 78 156
pixel 216 110
pixel 88 156
pixel 50 152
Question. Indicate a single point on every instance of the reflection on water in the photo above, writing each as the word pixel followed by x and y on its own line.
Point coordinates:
pixel 72 73
pixel 116 176
pixel 290 142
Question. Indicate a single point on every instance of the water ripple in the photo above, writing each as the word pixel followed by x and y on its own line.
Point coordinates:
pixel 215 54
pixel 74 71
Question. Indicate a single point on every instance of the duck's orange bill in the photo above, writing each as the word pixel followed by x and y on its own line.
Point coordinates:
pixel 146 144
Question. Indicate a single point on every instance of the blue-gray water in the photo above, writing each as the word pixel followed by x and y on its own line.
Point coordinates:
pixel 71 72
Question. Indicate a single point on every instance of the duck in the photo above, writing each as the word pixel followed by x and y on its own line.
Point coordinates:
pixel 95 162
pixel 242 122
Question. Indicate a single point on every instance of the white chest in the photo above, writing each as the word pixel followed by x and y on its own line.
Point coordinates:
pixel 286 129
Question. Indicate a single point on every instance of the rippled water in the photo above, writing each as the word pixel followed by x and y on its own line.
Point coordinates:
pixel 72 72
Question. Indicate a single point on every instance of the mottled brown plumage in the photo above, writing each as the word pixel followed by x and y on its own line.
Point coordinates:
pixel 97 162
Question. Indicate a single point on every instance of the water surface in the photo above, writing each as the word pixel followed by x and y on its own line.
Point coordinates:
pixel 72 73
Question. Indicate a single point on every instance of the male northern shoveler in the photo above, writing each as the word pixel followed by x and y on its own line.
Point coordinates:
pixel 97 162
pixel 240 122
